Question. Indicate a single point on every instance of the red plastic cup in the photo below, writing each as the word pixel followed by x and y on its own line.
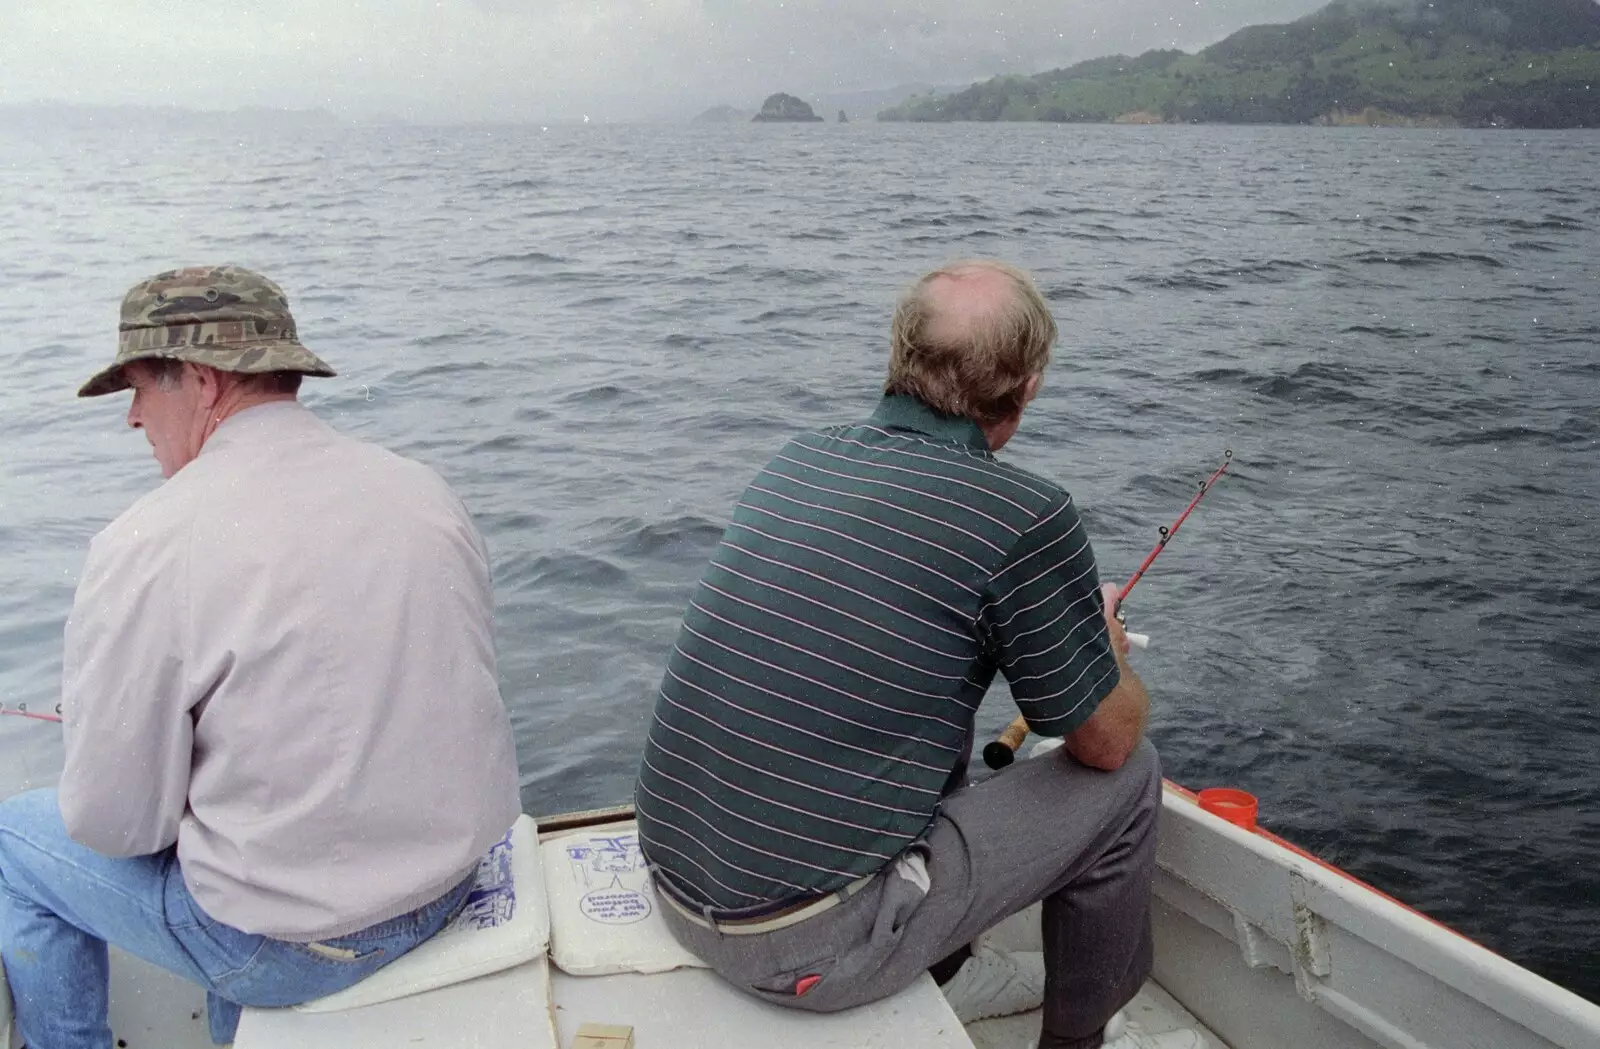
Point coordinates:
pixel 1235 806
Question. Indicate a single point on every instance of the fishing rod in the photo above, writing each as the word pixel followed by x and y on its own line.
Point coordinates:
pixel 1168 531
pixel 24 712
pixel 1002 751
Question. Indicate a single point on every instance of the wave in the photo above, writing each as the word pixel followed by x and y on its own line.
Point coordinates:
pixel 1571 431
pixel 1178 282
pixel 1386 331
pixel 1063 292
pixel 609 395
pixel 1549 222
pixel 1264 271
pixel 1425 258
pixel 1315 382
pixel 686 539
pixel 526 258
pixel 565 569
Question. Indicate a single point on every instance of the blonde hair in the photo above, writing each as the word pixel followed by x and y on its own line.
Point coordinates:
pixel 979 369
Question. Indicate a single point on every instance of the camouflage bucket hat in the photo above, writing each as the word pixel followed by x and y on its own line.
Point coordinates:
pixel 225 317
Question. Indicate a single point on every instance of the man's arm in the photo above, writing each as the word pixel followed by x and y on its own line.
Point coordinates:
pixel 1048 630
pixel 126 720
pixel 1117 724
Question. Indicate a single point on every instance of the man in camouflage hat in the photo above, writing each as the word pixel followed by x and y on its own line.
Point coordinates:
pixel 225 317
pixel 233 324
pixel 286 749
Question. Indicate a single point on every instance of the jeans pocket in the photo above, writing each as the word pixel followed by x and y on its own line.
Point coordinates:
pixel 288 973
pixel 229 952
pixel 356 954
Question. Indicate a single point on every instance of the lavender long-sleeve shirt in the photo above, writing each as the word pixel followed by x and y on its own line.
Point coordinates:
pixel 282 661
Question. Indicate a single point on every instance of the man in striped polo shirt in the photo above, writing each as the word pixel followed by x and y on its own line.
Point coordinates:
pixel 803 800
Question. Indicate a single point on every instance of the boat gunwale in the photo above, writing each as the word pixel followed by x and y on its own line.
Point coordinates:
pixel 596 817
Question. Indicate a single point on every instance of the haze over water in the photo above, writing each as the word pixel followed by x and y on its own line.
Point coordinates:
pixel 1383 622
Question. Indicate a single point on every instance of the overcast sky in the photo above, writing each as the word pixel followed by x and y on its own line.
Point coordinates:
pixel 555 59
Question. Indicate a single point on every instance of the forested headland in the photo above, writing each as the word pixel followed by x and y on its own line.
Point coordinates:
pixel 1475 63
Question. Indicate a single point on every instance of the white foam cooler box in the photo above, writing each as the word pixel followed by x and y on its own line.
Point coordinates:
pixel 586 897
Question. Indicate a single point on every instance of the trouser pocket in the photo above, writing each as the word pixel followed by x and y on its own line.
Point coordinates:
pixel 796 982
pixel 855 951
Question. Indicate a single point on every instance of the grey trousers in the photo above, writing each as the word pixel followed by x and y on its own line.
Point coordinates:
pixel 1050 829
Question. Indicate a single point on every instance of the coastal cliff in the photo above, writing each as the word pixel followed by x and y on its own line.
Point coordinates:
pixel 1473 63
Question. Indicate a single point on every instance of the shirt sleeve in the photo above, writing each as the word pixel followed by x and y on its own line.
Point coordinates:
pixel 1044 620
pixel 126 716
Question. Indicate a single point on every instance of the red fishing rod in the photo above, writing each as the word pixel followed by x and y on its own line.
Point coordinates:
pixel 1001 751
pixel 1168 531
pixel 24 712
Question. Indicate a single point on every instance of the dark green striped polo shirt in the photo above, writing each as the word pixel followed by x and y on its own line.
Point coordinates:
pixel 822 689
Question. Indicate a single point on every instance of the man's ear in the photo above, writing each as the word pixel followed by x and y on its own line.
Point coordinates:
pixel 210 381
pixel 1031 390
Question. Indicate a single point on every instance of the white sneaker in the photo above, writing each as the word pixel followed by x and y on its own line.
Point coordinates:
pixel 1121 1033
pixel 995 982
pixel 1135 1037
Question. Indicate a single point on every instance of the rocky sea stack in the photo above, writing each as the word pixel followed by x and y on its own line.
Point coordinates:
pixel 723 115
pixel 785 109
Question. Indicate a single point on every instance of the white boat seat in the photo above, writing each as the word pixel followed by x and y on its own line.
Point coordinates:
pixel 604 915
pixel 695 1008
pixel 509 1009
pixel 504 931
pixel 617 963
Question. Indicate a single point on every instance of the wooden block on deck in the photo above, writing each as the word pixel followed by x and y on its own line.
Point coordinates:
pixel 689 1008
pixel 603 1036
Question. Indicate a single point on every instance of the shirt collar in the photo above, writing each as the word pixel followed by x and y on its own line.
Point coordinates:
pixel 259 422
pixel 899 411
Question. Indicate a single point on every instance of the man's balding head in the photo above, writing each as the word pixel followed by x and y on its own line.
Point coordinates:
pixel 968 338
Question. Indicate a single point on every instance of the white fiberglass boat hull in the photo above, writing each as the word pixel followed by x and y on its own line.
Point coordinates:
pixel 1258 946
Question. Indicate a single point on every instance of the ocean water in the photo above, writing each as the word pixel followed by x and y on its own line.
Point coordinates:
pixel 1383 621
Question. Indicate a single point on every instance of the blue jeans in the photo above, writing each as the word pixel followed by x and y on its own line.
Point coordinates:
pixel 61 903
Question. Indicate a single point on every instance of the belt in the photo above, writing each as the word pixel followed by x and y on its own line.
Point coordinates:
pixel 780 919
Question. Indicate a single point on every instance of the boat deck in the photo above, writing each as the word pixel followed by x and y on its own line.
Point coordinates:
pixel 661 1007
pixel 615 963
pixel 1275 949
pixel 1154 1010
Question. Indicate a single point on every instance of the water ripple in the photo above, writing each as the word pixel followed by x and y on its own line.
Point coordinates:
pixel 1383 621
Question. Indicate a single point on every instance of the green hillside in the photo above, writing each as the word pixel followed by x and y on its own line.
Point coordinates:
pixel 1519 63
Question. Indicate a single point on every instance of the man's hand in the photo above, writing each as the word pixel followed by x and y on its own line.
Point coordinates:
pixel 1119 637
pixel 1111 733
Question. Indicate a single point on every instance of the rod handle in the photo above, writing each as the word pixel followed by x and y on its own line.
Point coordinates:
pixel 1002 751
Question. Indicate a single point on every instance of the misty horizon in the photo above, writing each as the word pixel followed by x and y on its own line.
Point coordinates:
pixel 513 61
